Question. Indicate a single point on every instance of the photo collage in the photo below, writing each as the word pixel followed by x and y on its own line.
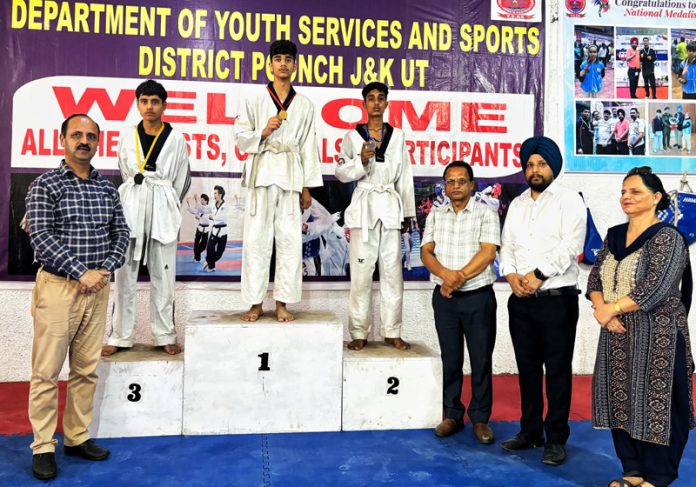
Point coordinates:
pixel 635 91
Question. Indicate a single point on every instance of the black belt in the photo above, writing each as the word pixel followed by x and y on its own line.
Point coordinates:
pixel 461 294
pixel 55 272
pixel 220 226
pixel 559 291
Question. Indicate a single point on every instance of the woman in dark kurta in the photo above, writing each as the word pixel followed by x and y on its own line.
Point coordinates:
pixel 641 387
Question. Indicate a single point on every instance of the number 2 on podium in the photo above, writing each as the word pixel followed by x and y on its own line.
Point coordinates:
pixel 393 388
pixel 264 361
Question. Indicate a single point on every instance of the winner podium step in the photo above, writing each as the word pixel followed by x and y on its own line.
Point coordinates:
pixel 139 393
pixel 262 377
pixel 385 388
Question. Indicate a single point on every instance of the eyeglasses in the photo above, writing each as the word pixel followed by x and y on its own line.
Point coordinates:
pixel 640 170
pixel 459 182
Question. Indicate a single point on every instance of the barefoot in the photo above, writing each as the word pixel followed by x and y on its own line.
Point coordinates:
pixel 282 313
pixel 397 343
pixel 357 344
pixel 254 313
pixel 109 350
pixel 172 349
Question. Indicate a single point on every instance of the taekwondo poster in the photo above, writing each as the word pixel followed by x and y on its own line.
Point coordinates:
pixel 630 85
pixel 465 79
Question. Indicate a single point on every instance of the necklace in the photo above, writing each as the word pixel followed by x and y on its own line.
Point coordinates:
pixel 370 137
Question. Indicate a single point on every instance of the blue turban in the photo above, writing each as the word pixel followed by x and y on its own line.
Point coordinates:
pixel 546 148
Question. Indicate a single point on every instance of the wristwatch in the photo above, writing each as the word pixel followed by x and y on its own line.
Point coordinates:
pixel 540 275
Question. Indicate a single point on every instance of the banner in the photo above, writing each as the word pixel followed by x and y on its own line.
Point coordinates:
pixel 630 85
pixel 462 87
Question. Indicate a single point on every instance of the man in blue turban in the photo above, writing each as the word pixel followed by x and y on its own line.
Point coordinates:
pixel 543 235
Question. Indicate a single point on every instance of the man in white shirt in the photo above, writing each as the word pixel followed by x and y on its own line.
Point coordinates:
pixel 636 134
pixel 458 248
pixel 543 235
pixel 605 127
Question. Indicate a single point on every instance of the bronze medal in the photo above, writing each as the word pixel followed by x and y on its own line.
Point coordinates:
pixel 138 178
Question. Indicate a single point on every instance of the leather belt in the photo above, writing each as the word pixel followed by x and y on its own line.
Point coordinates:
pixel 461 294
pixel 559 291
pixel 55 272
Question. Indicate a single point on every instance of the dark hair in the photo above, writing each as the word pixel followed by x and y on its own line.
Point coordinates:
pixel 691 46
pixel 283 47
pixel 205 196
pixel 459 164
pixel 621 110
pixel 151 88
pixel 375 85
pixel 220 190
pixel 64 125
pixel 607 111
pixel 646 39
pixel 652 182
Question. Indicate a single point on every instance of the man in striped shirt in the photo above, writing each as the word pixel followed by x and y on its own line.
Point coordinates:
pixel 79 235
pixel 458 248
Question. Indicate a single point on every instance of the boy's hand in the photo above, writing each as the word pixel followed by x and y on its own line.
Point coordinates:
pixel 272 125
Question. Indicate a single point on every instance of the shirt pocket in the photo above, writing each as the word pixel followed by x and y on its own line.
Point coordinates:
pixel 101 210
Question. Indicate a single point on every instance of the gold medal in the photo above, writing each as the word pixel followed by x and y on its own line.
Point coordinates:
pixel 282 115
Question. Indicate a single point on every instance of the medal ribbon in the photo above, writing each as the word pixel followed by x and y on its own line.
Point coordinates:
pixel 281 106
pixel 369 137
pixel 141 165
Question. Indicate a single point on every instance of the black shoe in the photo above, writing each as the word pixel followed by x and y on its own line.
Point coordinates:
pixel 521 442
pixel 88 450
pixel 43 466
pixel 554 454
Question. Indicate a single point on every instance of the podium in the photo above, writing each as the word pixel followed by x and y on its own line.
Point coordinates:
pixel 385 388
pixel 262 377
pixel 139 393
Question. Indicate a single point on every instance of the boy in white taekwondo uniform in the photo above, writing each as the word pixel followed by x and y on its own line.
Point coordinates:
pixel 374 155
pixel 277 128
pixel 154 165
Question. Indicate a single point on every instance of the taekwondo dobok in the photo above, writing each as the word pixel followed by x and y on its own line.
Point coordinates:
pixel 156 176
pixel 383 198
pixel 281 166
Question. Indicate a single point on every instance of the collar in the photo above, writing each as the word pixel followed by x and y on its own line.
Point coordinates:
pixel 553 188
pixel 469 206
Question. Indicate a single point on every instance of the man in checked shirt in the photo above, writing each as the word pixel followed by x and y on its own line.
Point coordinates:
pixel 458 248
pixel 80 236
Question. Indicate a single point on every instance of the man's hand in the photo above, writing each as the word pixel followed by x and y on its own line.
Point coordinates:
pixel 453 279
pixel 367 153
pixel 93 280
pixel 405 226
pixel 518 283
pixel 532 282
pixel 305 199
pixel 446 291
pixel 272 125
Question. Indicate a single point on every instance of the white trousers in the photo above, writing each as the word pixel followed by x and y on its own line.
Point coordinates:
pixel 278 216
pixel 384 248
pixel 161 265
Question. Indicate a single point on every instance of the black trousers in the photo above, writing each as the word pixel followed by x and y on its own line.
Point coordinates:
pixel 649 80
pixel 633 74
pixel 609 149
pixel 200 242
pixel 468 317
pixel 216 247
pixel 638 150
pixel 659 464
pixel 543 336
pixel 622 148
